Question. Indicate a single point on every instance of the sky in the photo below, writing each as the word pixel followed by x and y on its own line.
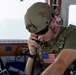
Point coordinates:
pixel 12 18
pixel 15 8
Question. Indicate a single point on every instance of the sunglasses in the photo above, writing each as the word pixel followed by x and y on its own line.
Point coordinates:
pixel 42 31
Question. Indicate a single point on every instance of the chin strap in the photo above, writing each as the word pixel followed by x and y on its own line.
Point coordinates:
pixel 53 29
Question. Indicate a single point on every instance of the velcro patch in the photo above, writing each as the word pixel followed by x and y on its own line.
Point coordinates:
pixel 48 58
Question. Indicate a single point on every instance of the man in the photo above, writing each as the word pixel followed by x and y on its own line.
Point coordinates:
pixel 58 42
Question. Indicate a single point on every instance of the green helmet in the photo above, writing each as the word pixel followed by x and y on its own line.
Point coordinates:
pixel 38 17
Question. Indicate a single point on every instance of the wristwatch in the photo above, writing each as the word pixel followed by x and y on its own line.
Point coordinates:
pixel 31 56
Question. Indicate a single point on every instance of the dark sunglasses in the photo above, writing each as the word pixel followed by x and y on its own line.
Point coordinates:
pixel 42 31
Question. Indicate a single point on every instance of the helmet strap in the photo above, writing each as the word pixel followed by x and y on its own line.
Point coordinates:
pixel 53 29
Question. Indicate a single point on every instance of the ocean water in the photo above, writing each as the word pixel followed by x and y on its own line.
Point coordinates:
pixel 13 29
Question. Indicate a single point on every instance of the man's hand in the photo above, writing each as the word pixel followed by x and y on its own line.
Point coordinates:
pixel 32 44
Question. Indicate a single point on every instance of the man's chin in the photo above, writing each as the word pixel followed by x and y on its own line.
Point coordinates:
pixel 46 40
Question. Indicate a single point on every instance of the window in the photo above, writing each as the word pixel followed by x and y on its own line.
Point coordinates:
pixel 72 15
pixel 12 18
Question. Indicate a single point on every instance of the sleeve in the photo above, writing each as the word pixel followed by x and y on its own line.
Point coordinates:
pixel 70 41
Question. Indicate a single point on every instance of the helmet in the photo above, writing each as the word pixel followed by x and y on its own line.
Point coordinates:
pixel 38 17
